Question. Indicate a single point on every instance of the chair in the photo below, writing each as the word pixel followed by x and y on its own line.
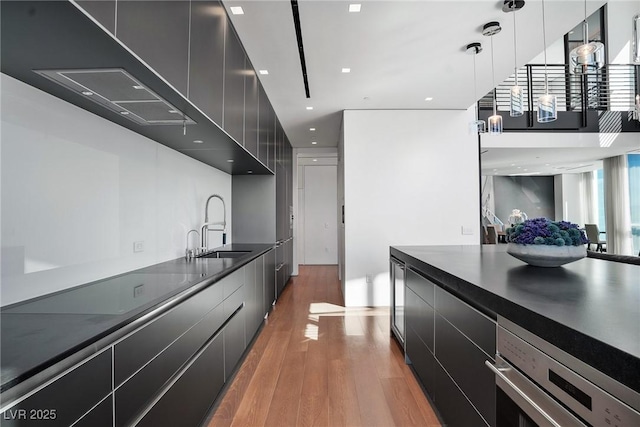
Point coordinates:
pixel 593 234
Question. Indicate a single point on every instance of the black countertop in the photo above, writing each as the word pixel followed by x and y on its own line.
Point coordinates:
pixel 589 308
pixel 40 332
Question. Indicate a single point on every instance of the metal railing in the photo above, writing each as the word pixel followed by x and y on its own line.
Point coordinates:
pixel 612 88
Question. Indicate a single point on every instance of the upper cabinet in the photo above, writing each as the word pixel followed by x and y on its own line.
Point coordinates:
pixel 206 70
pixel 251 106
pixel 158 32
pixel 234 71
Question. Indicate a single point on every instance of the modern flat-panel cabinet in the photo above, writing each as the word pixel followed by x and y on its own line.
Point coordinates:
pixel 251 105
pixel 264 126
pixel 158 32
pixel 234 63
pixel 447 342
pixel 206 69
pixel 269 279
pixel 102 11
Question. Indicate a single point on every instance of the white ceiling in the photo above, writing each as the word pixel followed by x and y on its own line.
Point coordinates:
pixel 399 53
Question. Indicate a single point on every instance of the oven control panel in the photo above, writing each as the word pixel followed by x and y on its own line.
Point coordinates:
pixel 586 400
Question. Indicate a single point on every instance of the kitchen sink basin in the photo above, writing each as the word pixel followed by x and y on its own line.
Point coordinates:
pixel 225 254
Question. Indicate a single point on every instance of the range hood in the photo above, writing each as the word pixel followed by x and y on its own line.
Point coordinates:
pixel 55 47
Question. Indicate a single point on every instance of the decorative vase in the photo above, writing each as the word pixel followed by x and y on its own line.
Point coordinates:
pixel 546 255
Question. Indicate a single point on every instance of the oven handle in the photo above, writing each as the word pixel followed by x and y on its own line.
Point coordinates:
pixel 528 401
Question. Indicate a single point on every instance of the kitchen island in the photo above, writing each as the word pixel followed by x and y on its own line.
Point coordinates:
pixel 80 353
pixel 589 309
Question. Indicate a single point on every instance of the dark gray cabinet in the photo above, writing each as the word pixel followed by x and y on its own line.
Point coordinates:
pixel 269 279
pixel 158 32
pixel 66 400
pixel 234 70
pixel 187 402
pixel 206 71
pixel 100 416
pixel 264 125
pixel 103 11
pixel 447 342
pixel 234 331
pixel 251 106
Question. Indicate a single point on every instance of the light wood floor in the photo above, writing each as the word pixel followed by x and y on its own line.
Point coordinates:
pixel 316 363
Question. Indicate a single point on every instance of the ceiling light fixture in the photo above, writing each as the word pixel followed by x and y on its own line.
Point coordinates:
pixel 230 161
pixel 237 10
pixel 263 72
pixel 477 125
pixel 588 57
pixel 517 93
pixel 87 93
pixel 346 70
pixel 315 160
pixel 547 111
pixel 429 98
pixel 355 7
pixel 138 87
pixel 314 142
pixel 309 108
pixel 124 113
pixel 249 171
pixel 197 141
pixel 312 129
pixel 495 121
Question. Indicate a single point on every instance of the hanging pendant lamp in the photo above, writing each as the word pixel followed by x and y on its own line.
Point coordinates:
pixel 589 56
pixel 495 121
pixel 517 93
pixel 477 125
pixel 547 111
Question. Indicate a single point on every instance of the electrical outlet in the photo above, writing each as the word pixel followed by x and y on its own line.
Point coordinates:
pixel 467 231
pixel 138 291
pixel 138 246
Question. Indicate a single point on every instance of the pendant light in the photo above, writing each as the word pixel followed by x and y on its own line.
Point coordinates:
pixel 547 111
pixel 517 92
pixel 495 121
pixel 588 57
pixel 477 125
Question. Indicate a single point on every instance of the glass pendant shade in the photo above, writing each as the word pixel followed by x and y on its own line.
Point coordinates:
pixel 547 111
pixel 517 101
pixel 495 124
pixel 587 58
pixel 478 126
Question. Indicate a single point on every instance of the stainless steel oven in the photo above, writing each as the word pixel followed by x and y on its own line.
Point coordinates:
pixel 397 273
pixel 541 385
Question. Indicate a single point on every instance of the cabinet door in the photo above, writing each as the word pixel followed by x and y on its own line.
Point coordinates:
pixel 420 317
pixel 423 362
pixel 208 20
pixel 234 331
pixel 100 416
pixel 188 401
pixel 251 302
pixel 259 289
pixel 272 139
pixel 251 102
pixel 234 67
pixel 269 279
pixel 158 32
pixel 264 106
pixel 102 11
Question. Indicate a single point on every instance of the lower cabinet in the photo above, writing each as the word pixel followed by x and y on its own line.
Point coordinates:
pixel 447 342
pixel 100 416
pixel 188 400
pixel 234 331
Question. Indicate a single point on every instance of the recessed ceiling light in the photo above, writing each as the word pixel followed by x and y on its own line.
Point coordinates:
pixel 513 164
pixel 355 7
pixel 314 142
pixel 429 98
pixel 87 92
pixel 519 167
pixel 230 161
pixel 546 164
pixel 138 87
pixel 249 171
pixel 174 111
pixel 495 169
pixel 197 141
pixel 312 129
pixel 315 160
pixel 124 113
pixel 263 72
pixel 237 10
pixel 309 108
pixel 346 70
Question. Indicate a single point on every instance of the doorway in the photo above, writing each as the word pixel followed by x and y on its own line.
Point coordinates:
pixel 318 210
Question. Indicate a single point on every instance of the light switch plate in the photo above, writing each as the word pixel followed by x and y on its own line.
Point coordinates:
pixel 138 246
pixel 467 231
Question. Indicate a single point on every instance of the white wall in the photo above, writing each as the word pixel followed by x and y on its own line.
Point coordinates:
pixel 410 178
pixel 568 198
pixel 619 30
pixel 78 191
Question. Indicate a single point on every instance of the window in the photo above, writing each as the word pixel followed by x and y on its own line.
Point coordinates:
pixel 633 161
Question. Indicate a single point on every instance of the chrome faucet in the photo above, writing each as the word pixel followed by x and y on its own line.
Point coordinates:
pixel 206 226
pixel 191 253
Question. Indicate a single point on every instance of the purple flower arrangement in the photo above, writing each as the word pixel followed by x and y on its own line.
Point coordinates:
pixel 542 231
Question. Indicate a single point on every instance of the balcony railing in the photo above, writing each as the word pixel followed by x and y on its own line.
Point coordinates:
pixel 613 88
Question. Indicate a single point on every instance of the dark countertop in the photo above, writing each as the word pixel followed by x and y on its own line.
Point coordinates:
pixel 40 332
pixel 589 308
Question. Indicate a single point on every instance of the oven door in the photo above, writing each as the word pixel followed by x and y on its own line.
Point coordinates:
pixel 522 403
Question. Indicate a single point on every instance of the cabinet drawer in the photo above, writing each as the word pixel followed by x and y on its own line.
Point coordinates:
pixel 66 400
pixel 420 318
pixel 136 350
pixel 454 407
pixel 134 395
pixel 464 362
pixel 187 402
pixel 421 359
pixel 421 286
pixel 475 325
pixel 232 282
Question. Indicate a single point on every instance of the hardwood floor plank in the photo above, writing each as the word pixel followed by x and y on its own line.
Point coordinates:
pixel 317 363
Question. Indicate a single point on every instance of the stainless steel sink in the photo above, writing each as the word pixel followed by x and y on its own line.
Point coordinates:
pixel 225 254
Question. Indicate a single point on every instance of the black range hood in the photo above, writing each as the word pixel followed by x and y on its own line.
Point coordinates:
pixel 45 42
